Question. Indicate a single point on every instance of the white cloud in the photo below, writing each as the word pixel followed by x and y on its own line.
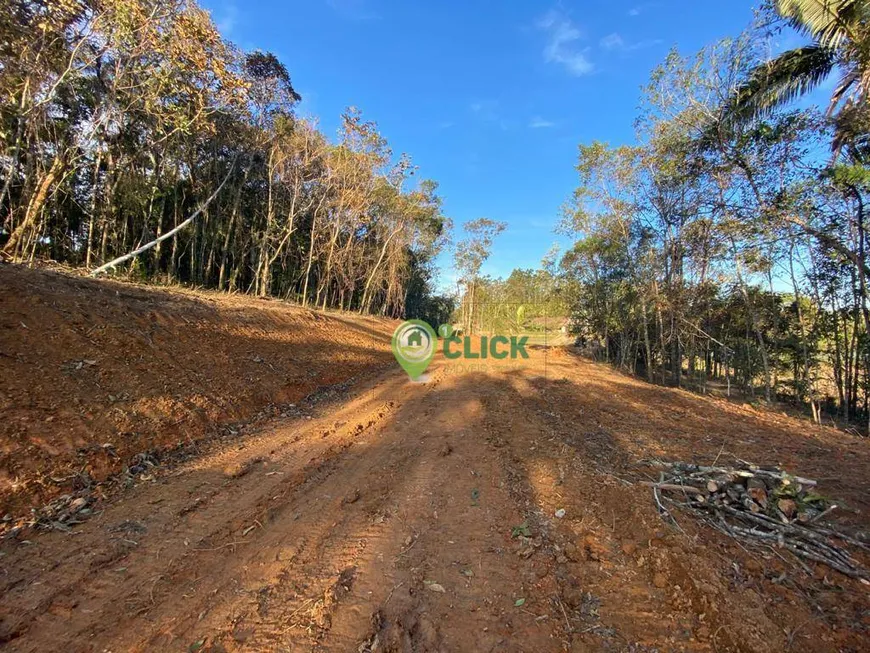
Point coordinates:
pixel 353 9
pixel 612 42
pixel 226 19
pixel 615 43
pixel 561 47
pixel 540 123
pixel 646 43
pixel 488 111
pixel 307 108
pixel 637 10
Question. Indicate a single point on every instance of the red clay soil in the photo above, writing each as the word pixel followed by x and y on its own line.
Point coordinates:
pixel 93 373
pixel 382 517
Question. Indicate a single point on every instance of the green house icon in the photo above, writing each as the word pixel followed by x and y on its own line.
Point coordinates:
pixel 416 338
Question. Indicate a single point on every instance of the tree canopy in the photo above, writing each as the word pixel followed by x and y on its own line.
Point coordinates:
pixel 120 118
pixel 725 249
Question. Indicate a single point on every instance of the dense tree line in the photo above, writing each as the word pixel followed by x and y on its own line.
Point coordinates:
pixel 528 301
pixel 728 245
pixel 119 119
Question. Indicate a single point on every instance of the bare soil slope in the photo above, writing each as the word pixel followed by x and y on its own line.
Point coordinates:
pixel 94 373
pixel 382 517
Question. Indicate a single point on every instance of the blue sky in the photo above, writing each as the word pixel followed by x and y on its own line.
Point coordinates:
pixel 490 99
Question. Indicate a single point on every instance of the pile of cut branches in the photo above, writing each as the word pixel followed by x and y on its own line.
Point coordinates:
pixel 763 505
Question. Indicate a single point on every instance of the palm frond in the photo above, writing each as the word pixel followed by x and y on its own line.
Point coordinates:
pixel 844 88
pixel 781 80
pixel 829 22
pixel 852 131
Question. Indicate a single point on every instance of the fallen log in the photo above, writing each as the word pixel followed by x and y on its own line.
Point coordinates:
pixel 765 505
pixel 169 234
pixel 670 486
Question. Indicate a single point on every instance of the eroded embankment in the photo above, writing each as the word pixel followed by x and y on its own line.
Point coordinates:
pixel 96 373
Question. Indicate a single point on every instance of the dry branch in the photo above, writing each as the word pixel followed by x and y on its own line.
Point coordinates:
pixel 169 234
pixel 760 504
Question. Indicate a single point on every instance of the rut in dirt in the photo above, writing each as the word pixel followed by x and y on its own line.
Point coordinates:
pixel 398 516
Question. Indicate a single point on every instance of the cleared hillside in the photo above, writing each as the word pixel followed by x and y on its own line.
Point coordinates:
pixel 96 372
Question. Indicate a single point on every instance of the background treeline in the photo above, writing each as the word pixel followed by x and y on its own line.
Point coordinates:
pixel 728 246
pixel 119 118
pixel 527 301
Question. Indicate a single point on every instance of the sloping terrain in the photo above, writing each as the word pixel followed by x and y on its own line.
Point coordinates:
pixel 386 515
pixel 95 373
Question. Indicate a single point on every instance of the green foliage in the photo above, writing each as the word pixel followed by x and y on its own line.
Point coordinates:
pixel 118 117
pixel 782 80
pixel 841 38
pixel 422 302
pixel 730 254
pixel 469 257
pixel 528 301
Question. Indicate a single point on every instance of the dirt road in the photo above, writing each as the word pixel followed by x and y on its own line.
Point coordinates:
pixel 387 517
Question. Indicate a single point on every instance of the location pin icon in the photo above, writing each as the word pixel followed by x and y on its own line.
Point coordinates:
pixel 414 347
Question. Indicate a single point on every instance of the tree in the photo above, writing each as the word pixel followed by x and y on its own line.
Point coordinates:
pixel 471 253
pixel 840 31
pixel 133 126
pixel 727 252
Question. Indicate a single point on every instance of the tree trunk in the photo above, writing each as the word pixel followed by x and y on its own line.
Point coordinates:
pixel 34 208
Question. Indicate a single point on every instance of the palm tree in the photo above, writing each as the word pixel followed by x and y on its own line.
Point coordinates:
pixel 841 41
